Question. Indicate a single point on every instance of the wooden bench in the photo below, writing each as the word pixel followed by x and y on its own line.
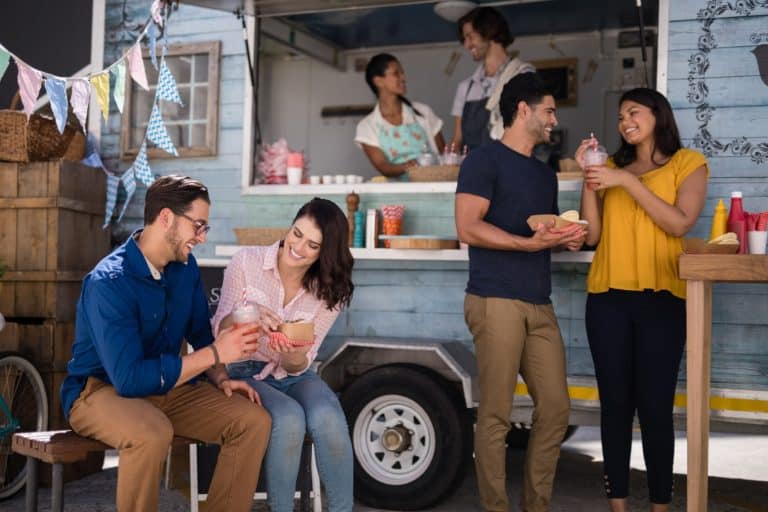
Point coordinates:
pixel 59 447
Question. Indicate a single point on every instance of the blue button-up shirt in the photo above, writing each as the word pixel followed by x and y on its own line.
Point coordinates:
pixel 130 327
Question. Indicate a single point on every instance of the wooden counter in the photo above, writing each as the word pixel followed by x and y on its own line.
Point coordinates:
pixel 700 271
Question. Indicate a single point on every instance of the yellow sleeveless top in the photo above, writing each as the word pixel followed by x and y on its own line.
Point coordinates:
pixel 634 253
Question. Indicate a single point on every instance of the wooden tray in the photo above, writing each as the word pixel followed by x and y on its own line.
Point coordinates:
pixel 419 242
pixel 544 218
pixel 700 246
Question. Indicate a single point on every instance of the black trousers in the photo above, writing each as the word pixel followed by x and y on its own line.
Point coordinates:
pixel 637 340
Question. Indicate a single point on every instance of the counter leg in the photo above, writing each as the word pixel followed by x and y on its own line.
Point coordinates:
pixel 698 347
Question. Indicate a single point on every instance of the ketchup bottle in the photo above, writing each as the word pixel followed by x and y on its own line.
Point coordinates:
pixel 737 222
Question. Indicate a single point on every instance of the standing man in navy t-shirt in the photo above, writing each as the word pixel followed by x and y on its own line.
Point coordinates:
pixel 507 306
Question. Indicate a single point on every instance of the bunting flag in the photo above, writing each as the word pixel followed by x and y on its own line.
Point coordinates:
pixel 100 84
pixel 141 166
pixel 136 66
pixel 29 80
pixel 81 95
pixel 4 59
pixel 166 85
pixel 57 94
pixel 152 45
pixel 112 183
pixel 118 93
pixel 157 133
pixel 129 182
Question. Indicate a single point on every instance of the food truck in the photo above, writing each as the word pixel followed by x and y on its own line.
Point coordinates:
pixel 401 357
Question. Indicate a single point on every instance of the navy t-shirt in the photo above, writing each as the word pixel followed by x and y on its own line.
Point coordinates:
pixel 517 187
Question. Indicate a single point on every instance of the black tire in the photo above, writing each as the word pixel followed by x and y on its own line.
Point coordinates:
pixel 379 404
pixel 519 433
pixel 23 396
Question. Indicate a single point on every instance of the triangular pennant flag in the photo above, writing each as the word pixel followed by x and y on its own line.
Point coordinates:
pixel 118 93
pixel 81 95
pixel 129 182
pixel 112 184
pixel 57 94
pixel 157 133
pixel 166 85
pixel 136 66
pixel 29 80
pixel 152 44
pixel 4 59
pixel 156 11
pixel 100 84
pixel 141 166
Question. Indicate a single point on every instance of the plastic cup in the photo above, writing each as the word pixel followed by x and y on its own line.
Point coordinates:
pixel 314 180
pixel 294 175
pixel 245 314
pixel 756 241
pixel 595 155
pixel 327 179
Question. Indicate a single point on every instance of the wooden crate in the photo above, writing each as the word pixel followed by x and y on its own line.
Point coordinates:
pixel 51 216
pixel 47 345
pixel 44 294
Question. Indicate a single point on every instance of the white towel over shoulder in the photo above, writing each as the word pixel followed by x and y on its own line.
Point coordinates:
pixel 514 67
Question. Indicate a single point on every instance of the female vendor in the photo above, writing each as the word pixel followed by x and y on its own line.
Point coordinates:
pixel 397 131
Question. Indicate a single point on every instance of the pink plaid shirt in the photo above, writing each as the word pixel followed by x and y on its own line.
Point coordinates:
pixel 255 270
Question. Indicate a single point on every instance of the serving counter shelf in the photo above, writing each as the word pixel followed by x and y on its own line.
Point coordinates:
pixel 227 251
pixel 569 184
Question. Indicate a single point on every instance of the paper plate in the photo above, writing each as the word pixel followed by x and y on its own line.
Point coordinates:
pixel 545 218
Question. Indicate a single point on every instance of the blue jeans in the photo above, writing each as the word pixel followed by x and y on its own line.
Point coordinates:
pixel 300 404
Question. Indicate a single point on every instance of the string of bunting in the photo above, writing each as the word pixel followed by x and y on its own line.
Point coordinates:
pixel 31 80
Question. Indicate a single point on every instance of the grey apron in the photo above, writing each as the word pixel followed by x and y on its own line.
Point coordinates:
pixel 474 122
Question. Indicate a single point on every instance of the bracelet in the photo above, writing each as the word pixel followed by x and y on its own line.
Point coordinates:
pixel 216 359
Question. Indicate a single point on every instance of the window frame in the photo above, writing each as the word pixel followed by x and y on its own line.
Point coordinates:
pixel 213 49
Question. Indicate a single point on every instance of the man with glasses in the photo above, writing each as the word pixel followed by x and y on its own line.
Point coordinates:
pixel 127 384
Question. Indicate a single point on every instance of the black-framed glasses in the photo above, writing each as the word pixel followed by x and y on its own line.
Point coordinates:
pixel 201 227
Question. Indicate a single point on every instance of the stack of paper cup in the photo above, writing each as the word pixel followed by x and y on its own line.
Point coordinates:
pixel 392 215
pixel 295 169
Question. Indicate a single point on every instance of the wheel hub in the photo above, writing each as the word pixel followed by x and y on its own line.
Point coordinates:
pixel 396 439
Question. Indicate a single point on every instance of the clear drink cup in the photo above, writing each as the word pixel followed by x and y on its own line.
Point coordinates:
pixel 245 314
pixel 595 155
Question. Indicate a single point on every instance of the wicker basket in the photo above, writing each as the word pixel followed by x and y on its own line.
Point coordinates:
pixel 37 139
pixel 434 173
pixel 259 236
pixel 13 136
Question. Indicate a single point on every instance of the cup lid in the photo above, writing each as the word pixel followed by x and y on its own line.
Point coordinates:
pixel 295 160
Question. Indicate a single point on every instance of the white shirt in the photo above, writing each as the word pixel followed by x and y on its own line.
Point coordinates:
pixel 481 88
pixel 368 128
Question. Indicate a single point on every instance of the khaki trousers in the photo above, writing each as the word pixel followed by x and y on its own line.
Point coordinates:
pixel 511 337
pixel 142 430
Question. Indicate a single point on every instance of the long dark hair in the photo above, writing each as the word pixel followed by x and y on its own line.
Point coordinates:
pixel 377 66
pixel 666 137
pixel 330 277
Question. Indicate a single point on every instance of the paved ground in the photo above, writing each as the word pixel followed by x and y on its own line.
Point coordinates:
pixel 738 465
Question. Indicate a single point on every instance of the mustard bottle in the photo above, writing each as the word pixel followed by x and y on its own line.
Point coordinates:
pixel 719 220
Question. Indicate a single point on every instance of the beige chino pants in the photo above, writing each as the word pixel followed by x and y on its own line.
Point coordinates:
pixel 511 337
pixel 142 429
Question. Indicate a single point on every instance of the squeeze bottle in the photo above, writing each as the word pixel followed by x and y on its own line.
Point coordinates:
pixel 719 221
pixel 737 221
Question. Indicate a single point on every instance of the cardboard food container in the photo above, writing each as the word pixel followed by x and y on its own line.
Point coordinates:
pixel 298 331
pixel 545 218
pixel 700 246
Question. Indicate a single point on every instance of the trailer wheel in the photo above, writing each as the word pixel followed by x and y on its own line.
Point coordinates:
pixel 411 435
pixel 517 438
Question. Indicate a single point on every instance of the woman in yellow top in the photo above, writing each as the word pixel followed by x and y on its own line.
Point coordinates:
pixel 639 206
